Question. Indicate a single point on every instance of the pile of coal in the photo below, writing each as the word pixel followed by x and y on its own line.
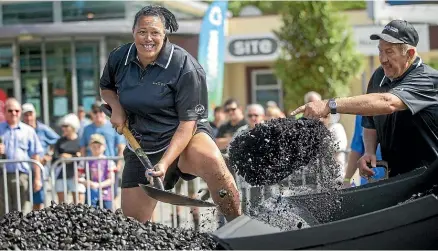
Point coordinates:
pixel 70 226
pixel 270 152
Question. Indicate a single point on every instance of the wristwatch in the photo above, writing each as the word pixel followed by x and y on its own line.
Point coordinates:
pixel 332 105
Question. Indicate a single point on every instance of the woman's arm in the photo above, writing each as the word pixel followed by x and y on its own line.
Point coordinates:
pixel 179 142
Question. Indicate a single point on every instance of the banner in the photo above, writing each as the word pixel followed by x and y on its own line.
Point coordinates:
pixel 211 51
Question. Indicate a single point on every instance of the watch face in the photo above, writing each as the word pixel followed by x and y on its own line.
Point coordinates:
pixel 332 104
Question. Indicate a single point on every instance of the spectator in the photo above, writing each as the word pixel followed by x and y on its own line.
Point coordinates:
pixel 101 174
pixel 83 120
pixel 115 143
pixel 311 97
pixel 271 103
pixel 68 147
pixel 340 138
pixel 357 150
pixel 48 138
pixel 219 119
pixel 255 114
pixel 20 142
pixel 274 113
pixel 227 130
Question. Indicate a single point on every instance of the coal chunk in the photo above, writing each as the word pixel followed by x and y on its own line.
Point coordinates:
pixel 92 228
pixel 274 150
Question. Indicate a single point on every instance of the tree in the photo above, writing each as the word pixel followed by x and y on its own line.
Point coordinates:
pixel 274 7
pixel 318 51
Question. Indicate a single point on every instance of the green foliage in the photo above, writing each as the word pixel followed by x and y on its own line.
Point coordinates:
pixel 318 51
pixel 274 7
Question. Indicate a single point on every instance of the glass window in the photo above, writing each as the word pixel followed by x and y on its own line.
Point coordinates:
pixel 92 10
pixel 6 61
pixel 58 63
pixel 27 13
pixel 266 87
pixel 31 76
pixel 88 71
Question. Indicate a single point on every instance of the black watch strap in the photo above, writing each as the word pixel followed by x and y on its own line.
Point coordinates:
pixel 333 106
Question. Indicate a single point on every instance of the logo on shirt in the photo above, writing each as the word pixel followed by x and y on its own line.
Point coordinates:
pixel 159 83
pixel 199 109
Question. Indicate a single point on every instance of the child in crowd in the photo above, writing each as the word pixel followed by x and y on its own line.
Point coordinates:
pixel 99 170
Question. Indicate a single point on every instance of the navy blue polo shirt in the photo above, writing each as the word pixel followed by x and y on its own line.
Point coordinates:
pixel 158 97
pixel 402 145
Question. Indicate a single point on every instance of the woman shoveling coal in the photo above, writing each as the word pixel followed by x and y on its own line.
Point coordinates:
pixel 160 91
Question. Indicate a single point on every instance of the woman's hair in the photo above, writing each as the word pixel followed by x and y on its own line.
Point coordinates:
pixel 164 14
pixel 70 120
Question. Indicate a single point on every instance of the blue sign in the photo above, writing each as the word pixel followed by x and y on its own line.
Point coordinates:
pixel 211 51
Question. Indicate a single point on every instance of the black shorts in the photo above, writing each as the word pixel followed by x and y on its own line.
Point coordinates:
pixel 134 171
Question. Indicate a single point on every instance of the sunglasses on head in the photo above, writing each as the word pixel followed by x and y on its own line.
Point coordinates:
pixel 231 109
pixel 11 111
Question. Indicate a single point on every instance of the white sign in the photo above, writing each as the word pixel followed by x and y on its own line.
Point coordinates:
pixel 368 47
pixel 266 47
pixel 251 48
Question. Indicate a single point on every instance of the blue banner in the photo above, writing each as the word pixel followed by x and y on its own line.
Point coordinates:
pixel 211 51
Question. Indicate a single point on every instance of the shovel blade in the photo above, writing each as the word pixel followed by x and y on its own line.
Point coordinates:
pixel 174 199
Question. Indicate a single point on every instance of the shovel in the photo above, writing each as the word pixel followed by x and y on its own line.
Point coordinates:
pixel 157 191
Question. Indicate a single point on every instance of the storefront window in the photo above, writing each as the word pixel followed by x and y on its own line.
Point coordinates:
pixel 92 10
pixel 266 87
pixel 6 61
pixel 87 66
pixel 31 75
pixel 58 63
pixel 114 42
pixel 27 13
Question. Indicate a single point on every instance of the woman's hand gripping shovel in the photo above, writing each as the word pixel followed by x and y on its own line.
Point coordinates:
pixel 157 191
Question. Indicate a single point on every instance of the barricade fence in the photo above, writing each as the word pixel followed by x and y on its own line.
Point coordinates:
pixel 7 194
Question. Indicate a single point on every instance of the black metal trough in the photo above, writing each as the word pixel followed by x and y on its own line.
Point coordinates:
pixel 373 216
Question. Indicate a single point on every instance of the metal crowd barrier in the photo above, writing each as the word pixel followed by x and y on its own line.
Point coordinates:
pixel 164 211
pixel 61 165
pixel 29 168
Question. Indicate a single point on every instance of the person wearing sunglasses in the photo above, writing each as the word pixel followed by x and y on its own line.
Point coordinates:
pixel 20 142
pixel 48 138
pixel 236 120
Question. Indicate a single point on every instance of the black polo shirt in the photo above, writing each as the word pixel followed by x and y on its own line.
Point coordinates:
pixel 398 134
pixel 157 98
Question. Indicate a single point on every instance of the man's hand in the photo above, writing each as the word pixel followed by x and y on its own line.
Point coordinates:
pixel 315 109
pixel 363 163
pixel 37 184
pixel 160 170
pixel 2 148
pixel 118 119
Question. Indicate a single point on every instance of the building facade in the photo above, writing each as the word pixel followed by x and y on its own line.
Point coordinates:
pixel 52 53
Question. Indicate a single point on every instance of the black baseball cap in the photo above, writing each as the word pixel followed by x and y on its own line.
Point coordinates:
pixel 398 32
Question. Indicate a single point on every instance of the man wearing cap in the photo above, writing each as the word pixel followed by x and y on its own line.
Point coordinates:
pixel 48 138
pixel 401 101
